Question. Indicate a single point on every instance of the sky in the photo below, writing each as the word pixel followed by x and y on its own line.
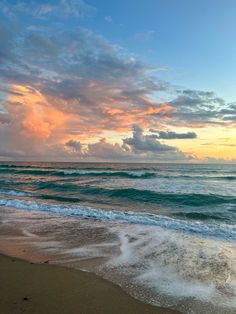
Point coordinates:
pixel 119 81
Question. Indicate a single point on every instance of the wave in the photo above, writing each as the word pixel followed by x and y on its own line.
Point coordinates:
pixel 210 230
pixel 15 166
pixel 62 191
pixel 75 173
pixel 144 196
pixel 58 192
pixel 41 196
pixel 25 170
pixel 122 174
pixel 106 172
pixel 182 199
pixel 204 177
pixel 200 216
pixel 15 193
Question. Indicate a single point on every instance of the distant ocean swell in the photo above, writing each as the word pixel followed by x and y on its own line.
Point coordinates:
pixel 139 174
pixel 131 194
pixel 74 173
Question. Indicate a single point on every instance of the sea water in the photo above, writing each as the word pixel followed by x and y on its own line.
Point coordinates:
pixel 165 232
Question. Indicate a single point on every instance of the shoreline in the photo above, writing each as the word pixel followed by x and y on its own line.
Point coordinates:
pixel 33 247
pixel 42 288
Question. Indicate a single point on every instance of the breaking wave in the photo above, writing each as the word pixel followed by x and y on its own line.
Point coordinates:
pixel 197 228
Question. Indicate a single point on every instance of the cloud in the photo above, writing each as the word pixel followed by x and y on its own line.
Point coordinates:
pixel 201 108
pixel 37 9
pixel 171 135
pixel 108 19
pixel 62 87
pixel 80 75
pixel 221 144
pixel 219 160
pixel 4 119
pixel 141 142
pixel 74 145
pixel 139 147
pixel 8 42
pixel 144 36
pixel 108 151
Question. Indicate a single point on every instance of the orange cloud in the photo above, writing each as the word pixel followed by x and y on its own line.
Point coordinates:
pixel 58 120
pixel 114 111
pixel 160 109
pixel 36 117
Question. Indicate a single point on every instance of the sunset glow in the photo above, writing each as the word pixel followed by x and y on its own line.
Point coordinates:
pixel 68 93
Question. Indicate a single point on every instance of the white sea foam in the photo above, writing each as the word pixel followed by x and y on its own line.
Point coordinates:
pixel 138 173
pixel 171 264
pixel 69 172
pixel 14 193
pixel 198 228
pixel 93 250
pixel 179 265
pixel 134 174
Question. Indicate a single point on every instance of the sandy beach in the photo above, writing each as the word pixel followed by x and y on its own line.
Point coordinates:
pixel 42 288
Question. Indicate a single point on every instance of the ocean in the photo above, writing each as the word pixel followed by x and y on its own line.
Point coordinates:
pixel 166 233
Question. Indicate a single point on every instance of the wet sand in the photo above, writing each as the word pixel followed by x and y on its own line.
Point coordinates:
pixel 42 288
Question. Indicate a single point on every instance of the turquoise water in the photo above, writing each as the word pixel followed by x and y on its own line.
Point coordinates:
pixel 174 224
pixel 205 193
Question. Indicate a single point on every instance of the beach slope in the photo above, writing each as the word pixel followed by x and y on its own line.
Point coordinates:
pixel 41 288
